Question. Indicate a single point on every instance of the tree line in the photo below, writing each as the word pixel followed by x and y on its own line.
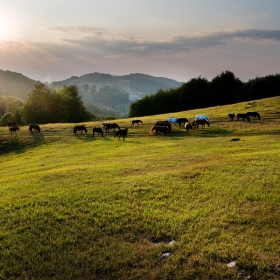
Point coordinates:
pixel 45 106
pixel 201 93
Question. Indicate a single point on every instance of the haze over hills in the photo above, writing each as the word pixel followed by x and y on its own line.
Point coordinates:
pixel 16 84
pixel 138 84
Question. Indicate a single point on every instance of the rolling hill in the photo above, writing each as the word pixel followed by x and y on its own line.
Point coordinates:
pixel 15 84
pixel 197 206
pixel 138 84
pixel 102 90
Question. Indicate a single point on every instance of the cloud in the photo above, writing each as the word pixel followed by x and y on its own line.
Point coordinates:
pixel 176 44
pixel 82 49
pixel 74 29
pixel 95 41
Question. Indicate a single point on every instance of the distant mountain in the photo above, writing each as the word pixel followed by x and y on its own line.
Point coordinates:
pixel 15 84
pixel 135 84
pixel 102 90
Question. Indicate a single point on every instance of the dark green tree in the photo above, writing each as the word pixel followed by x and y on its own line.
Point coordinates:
pixel 263 87
pixel 194 94
pixel 38 107
pixel 141 107
pixel 73 105
pixel 226 89
pixel 18 115
pixel 166 101
pixel 45 106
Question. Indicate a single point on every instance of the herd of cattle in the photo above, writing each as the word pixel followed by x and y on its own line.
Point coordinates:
pixel 161 127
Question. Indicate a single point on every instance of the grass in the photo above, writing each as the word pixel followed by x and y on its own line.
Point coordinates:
pixel 78 207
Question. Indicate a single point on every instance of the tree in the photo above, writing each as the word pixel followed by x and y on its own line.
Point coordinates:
pixel 38 107
pixel 166 101
pixel 226 89
pixel 76 111
pixel 3 106
pixel 194 94
pixel 263 87
pixel 9 104
pixel 141 107
pixel 44 106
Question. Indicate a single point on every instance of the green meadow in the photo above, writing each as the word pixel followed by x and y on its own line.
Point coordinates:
pixel 199 206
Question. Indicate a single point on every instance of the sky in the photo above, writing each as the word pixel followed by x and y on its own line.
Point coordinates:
pixel 179 39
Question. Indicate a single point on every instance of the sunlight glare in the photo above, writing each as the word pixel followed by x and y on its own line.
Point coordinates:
pixel 2 29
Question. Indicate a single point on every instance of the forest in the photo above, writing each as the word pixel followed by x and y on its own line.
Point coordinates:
pixel 200 93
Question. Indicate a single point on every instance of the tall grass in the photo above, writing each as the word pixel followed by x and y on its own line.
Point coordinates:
pixel 83 207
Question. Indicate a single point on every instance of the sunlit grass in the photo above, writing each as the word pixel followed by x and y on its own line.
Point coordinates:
pixel 83 207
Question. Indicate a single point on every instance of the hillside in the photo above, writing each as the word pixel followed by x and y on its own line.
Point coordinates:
pixel 15 84
pixel 115 93
pixel 200 206
pixel 135 84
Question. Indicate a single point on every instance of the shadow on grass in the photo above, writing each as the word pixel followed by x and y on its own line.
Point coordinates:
pixel 37 136
pixel 13 144
pixel 90 138
pixel 84 137
pixel 111 138
pixel 217 132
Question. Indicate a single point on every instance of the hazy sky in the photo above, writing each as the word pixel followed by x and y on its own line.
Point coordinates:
pixel 179 39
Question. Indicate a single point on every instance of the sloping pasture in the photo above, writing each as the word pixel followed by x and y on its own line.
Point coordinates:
pixel 83 207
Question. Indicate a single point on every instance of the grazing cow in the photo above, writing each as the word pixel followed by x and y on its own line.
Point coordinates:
pixel 121 132
pixel 98 130
pixel 231 116
pixel 13 129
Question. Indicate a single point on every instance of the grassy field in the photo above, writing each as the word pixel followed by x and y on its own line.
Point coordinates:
pixel 83 207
